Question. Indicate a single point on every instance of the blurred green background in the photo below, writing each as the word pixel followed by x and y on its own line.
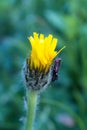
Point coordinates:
pixel 62 106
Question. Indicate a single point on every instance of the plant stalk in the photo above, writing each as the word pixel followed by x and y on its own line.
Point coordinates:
pixel 31 108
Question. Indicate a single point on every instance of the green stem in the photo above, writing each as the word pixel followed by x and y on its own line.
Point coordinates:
pixel 32 102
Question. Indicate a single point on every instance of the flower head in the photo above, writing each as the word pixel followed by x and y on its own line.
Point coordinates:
pixel 43 51
pixel 39 69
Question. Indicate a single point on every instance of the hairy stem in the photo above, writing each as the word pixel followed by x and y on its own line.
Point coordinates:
pixel 32 102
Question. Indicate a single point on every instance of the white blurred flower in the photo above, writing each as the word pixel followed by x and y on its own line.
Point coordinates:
pixel 65 119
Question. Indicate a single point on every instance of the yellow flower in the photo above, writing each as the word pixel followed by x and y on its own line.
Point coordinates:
pixel 43 52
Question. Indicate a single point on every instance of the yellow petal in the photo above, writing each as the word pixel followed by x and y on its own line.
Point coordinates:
pixel 43 51
pixel 61 50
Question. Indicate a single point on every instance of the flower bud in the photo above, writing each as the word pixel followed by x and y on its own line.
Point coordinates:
pixel 39 69
pixel 36 80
